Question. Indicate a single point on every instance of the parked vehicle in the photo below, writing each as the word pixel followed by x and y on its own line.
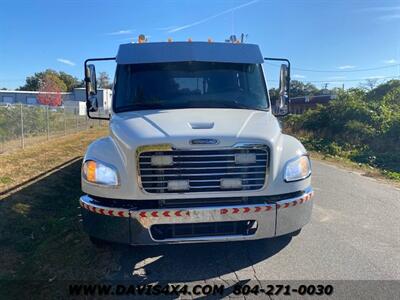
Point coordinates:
pixel 195 152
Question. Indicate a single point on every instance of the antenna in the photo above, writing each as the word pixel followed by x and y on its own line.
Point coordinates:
pixel 233 22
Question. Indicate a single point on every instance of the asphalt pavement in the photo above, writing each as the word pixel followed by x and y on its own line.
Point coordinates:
pixel 354 235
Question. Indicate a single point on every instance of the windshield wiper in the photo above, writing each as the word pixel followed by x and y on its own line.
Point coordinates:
pixel 142 105
pixel 234 104
pixel 240 105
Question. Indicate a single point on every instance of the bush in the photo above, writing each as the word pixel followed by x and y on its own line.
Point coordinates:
pixel 362 126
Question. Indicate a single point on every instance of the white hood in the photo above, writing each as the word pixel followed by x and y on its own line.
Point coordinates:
pixel 130 130
pixel 178 127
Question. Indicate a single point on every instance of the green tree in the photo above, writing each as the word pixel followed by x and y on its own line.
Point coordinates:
pixel 370 83
pixel 103 81
pixel 65 81
pixel 298 88
pixel 383 89
pixel 70 81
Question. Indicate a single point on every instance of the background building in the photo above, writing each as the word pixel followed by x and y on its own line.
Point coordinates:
pixel 73 98
pixel 299 105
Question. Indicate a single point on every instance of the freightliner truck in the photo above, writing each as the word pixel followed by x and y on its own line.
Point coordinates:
pixel 195 152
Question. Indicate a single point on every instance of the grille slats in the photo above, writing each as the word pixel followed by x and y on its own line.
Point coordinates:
pixel 206 155
pixel 205 161
pixel 202 180
pixel 204 169
pixel 182 175
pixel 204 187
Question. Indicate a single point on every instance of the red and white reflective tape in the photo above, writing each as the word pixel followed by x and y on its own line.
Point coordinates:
pixel 106 211
pixel 226 211
pixel 164 213
pixel 245 210
pixel 186 213
pixel 302 200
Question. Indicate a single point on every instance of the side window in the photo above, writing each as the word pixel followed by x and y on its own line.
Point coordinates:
pixel 255 85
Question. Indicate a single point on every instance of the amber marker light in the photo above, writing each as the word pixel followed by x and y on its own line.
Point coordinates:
pixel 91 171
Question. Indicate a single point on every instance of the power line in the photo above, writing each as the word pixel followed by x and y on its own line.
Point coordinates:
pixel 350 80
pixel 343 80
pixel 338 71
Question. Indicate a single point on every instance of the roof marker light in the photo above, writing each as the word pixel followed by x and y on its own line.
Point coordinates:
pixel 141 38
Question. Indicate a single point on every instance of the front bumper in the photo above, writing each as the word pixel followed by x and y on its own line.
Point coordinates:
pixel 133 226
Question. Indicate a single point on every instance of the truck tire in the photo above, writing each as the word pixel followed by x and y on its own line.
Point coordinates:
pixel 98 242
pixel 295 233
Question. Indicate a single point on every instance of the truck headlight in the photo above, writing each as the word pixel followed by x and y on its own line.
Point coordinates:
pixel 98 173
pixel 298 169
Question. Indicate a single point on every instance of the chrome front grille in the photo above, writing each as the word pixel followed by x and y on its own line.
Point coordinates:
pixel 204 169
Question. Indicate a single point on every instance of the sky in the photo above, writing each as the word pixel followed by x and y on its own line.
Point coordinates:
pixel 327 41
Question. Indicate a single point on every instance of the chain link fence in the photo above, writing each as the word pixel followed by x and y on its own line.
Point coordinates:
pixel 22 125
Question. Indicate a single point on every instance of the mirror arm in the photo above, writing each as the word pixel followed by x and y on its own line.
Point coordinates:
pixel 87 79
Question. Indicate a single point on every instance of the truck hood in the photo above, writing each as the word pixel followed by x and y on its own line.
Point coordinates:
pixel 178 127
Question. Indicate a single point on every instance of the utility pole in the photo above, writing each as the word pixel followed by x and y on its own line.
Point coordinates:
pixel 325 88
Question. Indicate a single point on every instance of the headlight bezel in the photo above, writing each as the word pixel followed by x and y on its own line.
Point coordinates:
pixel 291 161
pixel 97 183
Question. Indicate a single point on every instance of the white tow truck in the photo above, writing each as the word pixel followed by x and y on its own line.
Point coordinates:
pixel 195 152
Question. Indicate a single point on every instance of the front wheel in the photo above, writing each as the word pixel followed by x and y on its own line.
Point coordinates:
pixel 98 242
pixel 295 233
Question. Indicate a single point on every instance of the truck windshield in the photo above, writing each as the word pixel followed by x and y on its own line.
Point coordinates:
pixel 189 85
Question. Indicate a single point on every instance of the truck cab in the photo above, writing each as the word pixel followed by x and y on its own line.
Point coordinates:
pixel 194 152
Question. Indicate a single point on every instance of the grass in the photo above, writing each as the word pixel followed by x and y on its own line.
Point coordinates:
pixel 22 165
pixel 40 221
pixel 41 236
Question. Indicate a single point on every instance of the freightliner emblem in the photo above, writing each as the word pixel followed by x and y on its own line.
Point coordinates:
pixel 204 142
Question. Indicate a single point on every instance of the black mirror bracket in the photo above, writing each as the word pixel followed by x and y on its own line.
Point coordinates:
pixel 87 80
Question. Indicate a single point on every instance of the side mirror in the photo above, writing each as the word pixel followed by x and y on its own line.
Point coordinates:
pixel 282 104
pixel 91 88
pixel 92 104
pixel 91 81
pixel 284 86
